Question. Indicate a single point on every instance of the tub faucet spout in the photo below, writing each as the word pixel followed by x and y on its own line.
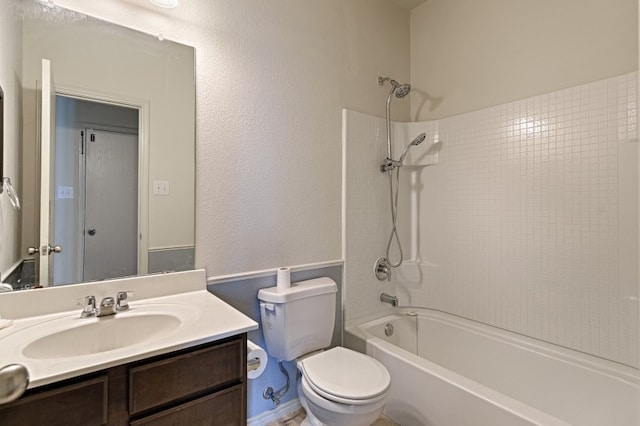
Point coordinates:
pixel 387 298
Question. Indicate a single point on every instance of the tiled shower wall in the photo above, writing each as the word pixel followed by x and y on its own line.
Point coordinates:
pixel 528 222
pixel 366 213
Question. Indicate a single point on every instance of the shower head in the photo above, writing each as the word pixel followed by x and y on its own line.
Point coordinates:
pixel 400 90
pixel 417 141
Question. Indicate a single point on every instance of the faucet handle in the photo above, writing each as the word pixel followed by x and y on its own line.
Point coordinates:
pixel 382 269
pixel 122 303
pixel 89 306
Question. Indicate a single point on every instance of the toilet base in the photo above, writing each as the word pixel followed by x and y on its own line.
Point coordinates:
pixel 335 418
pixel 310 419
pixel 306 422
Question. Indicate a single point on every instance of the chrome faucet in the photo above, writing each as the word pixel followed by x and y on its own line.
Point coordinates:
pixel 108 305
pixel 387 298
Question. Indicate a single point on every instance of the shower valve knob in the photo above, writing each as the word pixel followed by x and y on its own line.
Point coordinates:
pixel 382 269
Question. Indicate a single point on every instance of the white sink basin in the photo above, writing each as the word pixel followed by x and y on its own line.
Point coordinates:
pixel 71 337
pixel 101 335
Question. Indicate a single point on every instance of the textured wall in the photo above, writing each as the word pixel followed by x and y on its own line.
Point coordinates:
pixel 272 77
pixel 469 54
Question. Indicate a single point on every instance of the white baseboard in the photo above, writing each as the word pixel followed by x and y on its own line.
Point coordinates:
pixel 273 415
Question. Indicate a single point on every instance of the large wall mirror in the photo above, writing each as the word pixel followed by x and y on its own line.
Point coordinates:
pixel 106 119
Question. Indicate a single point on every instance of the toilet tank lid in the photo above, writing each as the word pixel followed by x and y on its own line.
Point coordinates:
pixel 299 290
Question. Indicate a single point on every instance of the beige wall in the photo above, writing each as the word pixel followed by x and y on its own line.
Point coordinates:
pixel 119 65
pixel 469 54
pixel 10 71
pixel 272 78
pixel 376 43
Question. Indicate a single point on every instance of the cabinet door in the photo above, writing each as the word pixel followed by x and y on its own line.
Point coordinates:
pixel 83 403
pixel 223 408
pixel 173 380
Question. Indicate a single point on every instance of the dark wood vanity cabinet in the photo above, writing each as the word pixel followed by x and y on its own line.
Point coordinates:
pixel 81 403
pixel 202 385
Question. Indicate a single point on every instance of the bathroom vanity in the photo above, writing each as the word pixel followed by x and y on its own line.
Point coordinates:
pixel 118 369
pixel 205 384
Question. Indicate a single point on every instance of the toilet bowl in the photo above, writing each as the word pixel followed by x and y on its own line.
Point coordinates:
pixel 342 387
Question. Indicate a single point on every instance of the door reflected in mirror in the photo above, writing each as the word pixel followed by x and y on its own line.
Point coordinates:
pixel 96 190
pixel 122 204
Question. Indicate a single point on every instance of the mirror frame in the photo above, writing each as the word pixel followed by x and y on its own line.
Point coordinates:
pixel 1 139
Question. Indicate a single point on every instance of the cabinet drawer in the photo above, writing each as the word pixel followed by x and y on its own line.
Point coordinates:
pixel 168 380
pixel 82 403
pixel 219 409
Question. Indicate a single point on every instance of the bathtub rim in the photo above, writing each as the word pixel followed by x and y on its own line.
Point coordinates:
pixel 618 371
pixel 372 344
pixel 504 402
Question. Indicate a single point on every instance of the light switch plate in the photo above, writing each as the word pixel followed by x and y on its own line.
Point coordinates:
pixel 161 187
pixel 65 192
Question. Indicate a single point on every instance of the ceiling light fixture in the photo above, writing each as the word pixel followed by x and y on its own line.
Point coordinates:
pixel 167 4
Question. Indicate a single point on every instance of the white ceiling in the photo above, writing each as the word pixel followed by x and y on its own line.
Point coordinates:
pixel 408 4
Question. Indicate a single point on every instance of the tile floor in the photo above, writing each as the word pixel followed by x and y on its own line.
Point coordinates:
pixel 295 418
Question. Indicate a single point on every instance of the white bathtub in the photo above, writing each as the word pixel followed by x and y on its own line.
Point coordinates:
pixel 446 370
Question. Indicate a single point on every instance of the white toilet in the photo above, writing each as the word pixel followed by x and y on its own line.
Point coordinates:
pixel 337 386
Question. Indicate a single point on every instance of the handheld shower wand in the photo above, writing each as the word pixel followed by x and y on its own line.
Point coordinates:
pixel 417 141
pixel 390 164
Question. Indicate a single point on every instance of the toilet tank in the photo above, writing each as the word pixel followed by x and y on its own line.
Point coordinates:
pixel 300 319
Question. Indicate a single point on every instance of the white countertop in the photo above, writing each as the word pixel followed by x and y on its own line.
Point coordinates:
pixel 205 318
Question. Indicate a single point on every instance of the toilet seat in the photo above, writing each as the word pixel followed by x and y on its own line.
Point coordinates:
pixel 335 407
pixel 345 376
